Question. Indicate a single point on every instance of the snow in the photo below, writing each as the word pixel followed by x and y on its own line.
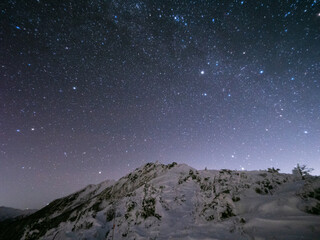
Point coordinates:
pixel 178 202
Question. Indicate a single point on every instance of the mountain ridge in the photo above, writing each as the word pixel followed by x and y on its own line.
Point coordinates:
pixel 10 213
pixel 175 201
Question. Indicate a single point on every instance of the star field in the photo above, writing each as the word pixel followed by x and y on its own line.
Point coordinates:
pixel 90 90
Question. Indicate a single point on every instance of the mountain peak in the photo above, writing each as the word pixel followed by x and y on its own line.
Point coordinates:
pixel 176 201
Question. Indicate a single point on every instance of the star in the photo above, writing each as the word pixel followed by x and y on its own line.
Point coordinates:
pixel 136 83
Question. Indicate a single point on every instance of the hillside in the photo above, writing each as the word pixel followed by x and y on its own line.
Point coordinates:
pixel 9 213
pixel 178 202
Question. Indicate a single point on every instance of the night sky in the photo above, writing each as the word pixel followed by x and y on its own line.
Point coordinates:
pixel 91 90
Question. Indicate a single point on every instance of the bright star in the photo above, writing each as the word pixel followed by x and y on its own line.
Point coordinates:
pixel 18 130
pixel 100 172
pixel 202 72
pixel 74 88
pixel 177 18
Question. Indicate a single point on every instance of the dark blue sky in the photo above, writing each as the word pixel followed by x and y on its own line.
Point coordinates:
pixel 90 90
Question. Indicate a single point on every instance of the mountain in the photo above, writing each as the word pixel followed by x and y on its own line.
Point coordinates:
pixel 176 201
pixel 9 213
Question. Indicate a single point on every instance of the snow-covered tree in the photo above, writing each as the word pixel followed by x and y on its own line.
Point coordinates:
pixel 301 171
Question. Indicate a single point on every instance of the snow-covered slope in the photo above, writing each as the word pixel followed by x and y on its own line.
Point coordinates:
pixel 9 213
pixel 178 202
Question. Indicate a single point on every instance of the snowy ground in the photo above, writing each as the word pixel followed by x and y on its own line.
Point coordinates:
pixel 179 202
